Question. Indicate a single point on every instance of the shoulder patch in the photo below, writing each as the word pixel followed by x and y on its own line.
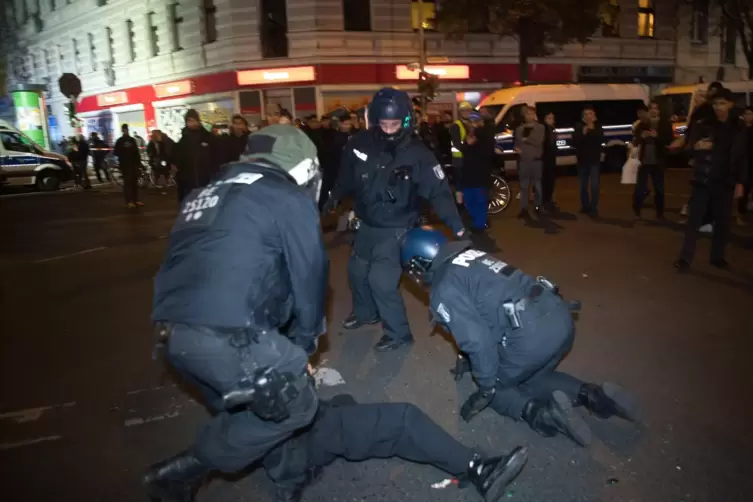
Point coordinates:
pixel 360 155
pixel 438 171
pixel 443 312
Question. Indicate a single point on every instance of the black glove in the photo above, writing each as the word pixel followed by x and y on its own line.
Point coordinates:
pixel 475 404
pixel 462 366
pixel 330 205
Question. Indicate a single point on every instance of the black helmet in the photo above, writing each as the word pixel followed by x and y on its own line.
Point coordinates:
pixel 391 104
pixel 419 247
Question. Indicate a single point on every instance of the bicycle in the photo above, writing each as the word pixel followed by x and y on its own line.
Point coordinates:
pixel 499 193
pixel 146 177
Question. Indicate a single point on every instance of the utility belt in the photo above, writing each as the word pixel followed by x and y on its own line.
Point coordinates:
pixel 514 308
pixel 266 392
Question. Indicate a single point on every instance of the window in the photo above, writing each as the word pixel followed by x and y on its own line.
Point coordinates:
pixel 76 55
pixel 428 13
pixel 729 41
pixel 14 142
pixel 512 118
pixel 610 19
pixel 274 29
pixel 699 22
pixel 646 18
pixel 568 113
pixel 176 22
pixel 210 22
pixel 53 5
pixel 61 58
pixel 675 106
pixel 130 41
pixel 357 15
pixel 47 61
pixel 110 43
pixel 92 51
pixel 153 35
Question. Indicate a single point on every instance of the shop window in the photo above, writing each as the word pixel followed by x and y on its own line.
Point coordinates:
pixel 153 35
pixel 130 41
pixel 646 15
pixel 176 22
pixel 729 41
pixel 92 51
pixel 426 12
pixel 210 22
pixel 610 19
pixel 699 22
pixel 357 15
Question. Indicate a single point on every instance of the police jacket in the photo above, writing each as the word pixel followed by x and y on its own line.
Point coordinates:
pixel 246 251
pixel 387 184
pixel 468 290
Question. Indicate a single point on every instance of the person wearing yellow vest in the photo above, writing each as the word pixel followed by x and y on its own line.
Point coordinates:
pixel 458 133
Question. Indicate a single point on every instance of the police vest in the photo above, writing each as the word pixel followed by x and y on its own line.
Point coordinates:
pixel 455 152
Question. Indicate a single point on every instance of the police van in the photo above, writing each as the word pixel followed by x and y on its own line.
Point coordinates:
pixel 615 105
pixel 23 162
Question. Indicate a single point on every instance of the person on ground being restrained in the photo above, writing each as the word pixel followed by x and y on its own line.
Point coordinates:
pixel 720 169
pixel 196 157
pixel 588 137
pixel 129 162
pixel 245 256
pixel 388 171
pixel 512 331
pixel 653 135
pixel 357 432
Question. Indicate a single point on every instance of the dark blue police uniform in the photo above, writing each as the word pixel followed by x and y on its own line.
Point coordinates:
pixel 514 331
pixel 388 175
pixel 244 257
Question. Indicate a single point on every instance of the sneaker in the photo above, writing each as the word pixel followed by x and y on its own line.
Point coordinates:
pixel 708 228
pixel 140 204
pixel 682 265
pixel 684 210
pixel 131 205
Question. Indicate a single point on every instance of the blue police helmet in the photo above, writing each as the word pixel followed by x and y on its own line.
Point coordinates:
pixel 420 246
pixel 391 104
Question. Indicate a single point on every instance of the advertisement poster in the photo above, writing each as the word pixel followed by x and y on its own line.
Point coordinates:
pixel 29 115
pixel 171 121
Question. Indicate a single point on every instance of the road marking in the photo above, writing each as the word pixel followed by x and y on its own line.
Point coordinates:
pixel 77 253
pixel 33 414
pixel 28 442
pixel 141 421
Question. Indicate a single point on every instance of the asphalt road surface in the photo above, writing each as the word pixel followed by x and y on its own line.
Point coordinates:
pixel 84 408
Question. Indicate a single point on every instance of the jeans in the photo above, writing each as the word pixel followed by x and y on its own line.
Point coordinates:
pixel 590 173
pixel 477 203
pixel 641 188
pixel 530 173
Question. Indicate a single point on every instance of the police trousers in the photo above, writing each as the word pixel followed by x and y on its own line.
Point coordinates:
pixel 374 274
pixel 213 361
pixel 531 355
pixel 359 432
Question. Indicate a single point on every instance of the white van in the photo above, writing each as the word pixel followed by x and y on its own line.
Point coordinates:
pixel 679 101
pixel 23 162
pixel 615 105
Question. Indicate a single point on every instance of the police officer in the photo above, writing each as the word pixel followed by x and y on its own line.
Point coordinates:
pixel 357 432
pixel 245 256
pixel 514 331
pixel 387 169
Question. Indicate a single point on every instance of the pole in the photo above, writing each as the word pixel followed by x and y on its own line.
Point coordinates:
pixel 421 51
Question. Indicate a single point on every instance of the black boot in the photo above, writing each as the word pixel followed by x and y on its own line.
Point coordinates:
pixel 294 493
pixel 387 344
pixel 491 476
pixel 352 322
pixel 176 479
pixel 556 416
pixel 608 401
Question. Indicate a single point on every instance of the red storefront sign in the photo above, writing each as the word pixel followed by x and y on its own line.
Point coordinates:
pixel 173 89
pixel 112 99
pixel 277 75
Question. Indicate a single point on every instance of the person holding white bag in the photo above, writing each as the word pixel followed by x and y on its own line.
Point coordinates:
pixel 652 134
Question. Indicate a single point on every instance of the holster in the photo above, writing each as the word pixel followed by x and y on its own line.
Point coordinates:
pixel 267 393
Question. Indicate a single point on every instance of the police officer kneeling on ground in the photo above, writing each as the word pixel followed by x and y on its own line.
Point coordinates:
pixel 387 169
pixel 514 330
pixel 357 432
pixel 245 256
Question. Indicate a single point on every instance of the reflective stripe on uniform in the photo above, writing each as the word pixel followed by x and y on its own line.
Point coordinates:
pixel 461 127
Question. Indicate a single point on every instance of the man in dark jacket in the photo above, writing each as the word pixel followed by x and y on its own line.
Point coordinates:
pixel 197 156
pixel 236 141
pixel 159 151
pixel 98 151
pixel 79 157
pixel 237 269
pixel 587 140
pixel 513 331
pixel 476 172
pixel 720 170
pixel 653 135
pixel 129 163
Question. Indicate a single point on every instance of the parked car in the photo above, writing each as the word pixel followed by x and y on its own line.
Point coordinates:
pixel 23 162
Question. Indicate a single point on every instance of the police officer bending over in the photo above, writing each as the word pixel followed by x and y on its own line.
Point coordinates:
pixel 515 330
pixel 386 168
pixel 360 432
pixel 245 255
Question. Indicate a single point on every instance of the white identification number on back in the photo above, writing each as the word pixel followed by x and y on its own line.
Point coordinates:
pixel 465 257
pixel 439 172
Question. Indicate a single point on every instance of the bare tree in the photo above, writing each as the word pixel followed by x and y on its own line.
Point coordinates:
pixel 738 14
pixel 14 52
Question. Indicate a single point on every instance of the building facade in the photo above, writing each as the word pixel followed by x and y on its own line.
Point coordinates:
pixel 144 62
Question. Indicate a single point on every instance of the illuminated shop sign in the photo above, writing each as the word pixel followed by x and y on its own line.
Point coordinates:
pixel 171 89
pixel 445 72
pixel 112 98
pixel 277 75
